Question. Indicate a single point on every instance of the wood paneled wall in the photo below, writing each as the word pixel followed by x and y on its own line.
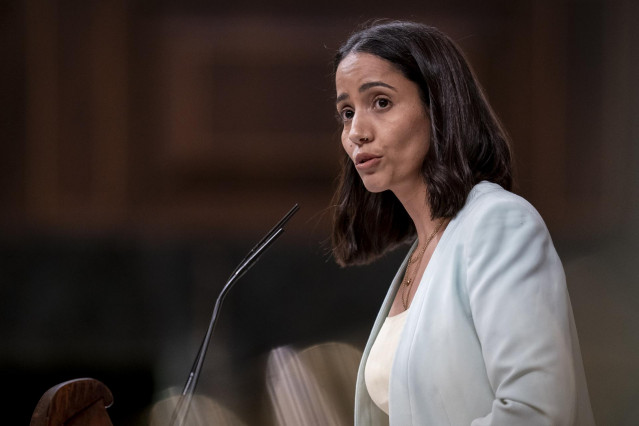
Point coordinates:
pixel 142 119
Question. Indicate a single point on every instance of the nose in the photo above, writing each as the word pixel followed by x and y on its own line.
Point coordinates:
pixel 360 131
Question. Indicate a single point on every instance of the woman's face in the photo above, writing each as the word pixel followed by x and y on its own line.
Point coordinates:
pixel 386 126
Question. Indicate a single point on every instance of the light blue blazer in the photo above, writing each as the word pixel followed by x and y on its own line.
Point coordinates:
pixel 490 337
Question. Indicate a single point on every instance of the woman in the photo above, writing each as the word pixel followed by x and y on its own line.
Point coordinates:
pixel 476 328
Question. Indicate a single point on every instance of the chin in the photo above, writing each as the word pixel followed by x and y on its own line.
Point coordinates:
pixel 372 187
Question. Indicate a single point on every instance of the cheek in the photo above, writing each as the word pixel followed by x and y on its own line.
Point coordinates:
pixel 346 143
pixel 421 133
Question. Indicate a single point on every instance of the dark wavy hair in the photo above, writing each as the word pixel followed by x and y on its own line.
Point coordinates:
pixel 467 142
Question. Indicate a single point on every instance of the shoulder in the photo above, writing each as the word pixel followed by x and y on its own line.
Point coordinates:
pixel 504 239
pixel 488 201
pixel 494 216
pixel 488 195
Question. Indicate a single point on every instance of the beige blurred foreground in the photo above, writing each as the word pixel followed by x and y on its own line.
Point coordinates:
pixel 313 386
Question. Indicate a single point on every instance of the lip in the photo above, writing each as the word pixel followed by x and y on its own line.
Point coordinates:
pixel 365 161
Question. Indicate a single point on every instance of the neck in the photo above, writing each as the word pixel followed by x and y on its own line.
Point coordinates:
pixel 417 207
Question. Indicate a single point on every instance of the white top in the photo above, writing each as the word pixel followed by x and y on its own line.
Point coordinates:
pixel 380 359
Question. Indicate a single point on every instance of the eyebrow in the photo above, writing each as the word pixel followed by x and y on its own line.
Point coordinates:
pixel 364 87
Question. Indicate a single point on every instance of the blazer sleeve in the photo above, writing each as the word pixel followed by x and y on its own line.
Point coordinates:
pixel 521 311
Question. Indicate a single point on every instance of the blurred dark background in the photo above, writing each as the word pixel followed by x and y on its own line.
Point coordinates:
pixel 146 145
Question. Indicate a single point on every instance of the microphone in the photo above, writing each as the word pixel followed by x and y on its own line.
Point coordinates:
pixel 184 401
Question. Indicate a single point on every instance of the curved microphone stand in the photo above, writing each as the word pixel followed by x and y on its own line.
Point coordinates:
pixel 184 402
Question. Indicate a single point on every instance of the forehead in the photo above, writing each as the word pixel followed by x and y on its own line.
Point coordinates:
pixel 358 68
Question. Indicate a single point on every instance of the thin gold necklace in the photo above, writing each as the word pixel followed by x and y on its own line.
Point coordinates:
pixel 407 283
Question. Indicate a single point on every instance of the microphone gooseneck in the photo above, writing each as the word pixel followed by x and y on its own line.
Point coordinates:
pixel 184 401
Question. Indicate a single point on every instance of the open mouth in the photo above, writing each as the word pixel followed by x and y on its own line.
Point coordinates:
pixel 362 159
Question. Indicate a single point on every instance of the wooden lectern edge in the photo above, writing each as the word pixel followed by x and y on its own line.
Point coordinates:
pixel 65 400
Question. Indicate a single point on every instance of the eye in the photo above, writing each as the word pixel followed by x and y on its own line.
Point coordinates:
pixel 346 114
pixel 382 103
